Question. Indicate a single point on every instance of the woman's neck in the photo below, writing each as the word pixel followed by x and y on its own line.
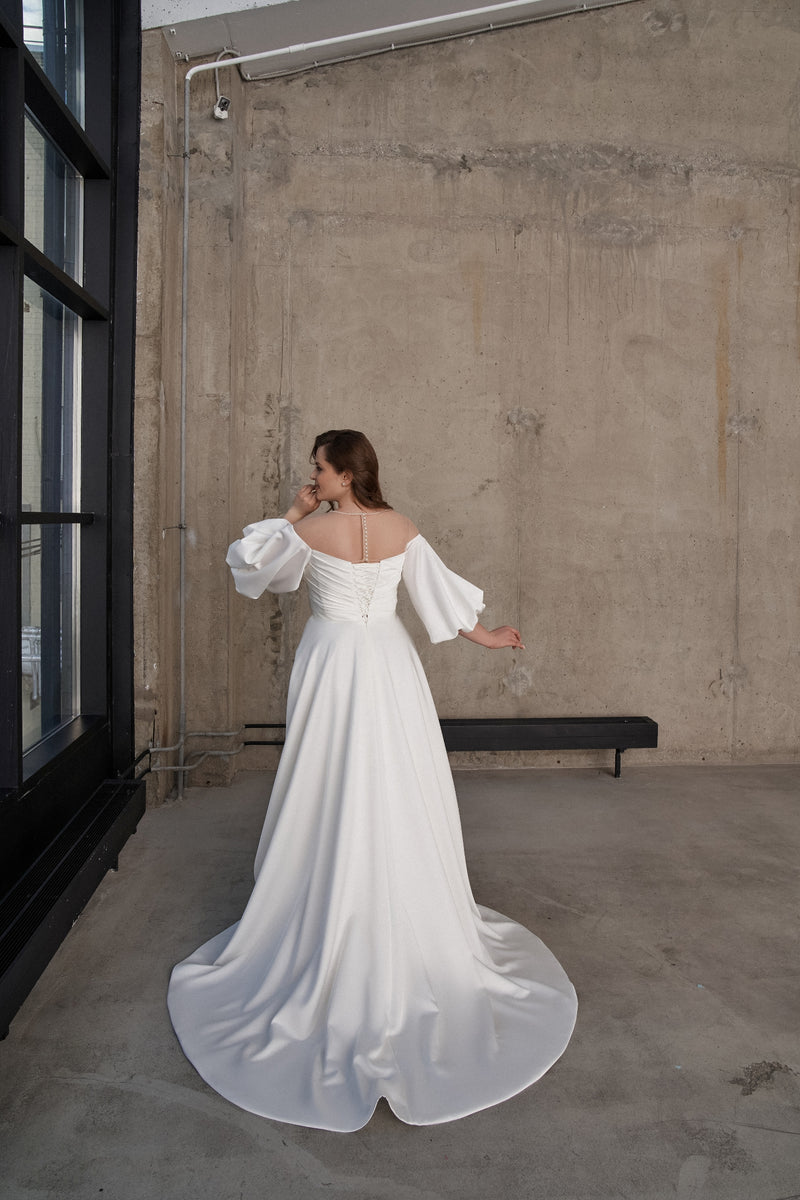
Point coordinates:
pixel 349 504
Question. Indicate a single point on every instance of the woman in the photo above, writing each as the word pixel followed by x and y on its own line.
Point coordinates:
pixel 362 967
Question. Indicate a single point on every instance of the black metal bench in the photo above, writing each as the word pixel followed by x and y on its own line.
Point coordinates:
pixel 534 733
pixel 551 733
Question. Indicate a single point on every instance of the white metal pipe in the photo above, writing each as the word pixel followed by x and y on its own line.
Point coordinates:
pixel 183 770
pixel 211 733
pixel 510 7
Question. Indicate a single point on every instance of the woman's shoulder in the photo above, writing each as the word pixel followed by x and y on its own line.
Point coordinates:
pixel 312 529
pixel 396 517
pixel 314 518
pixel 396 525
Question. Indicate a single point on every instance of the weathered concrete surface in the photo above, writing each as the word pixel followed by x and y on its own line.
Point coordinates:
pixel 157 412
pixel 553 272
pixel 670 896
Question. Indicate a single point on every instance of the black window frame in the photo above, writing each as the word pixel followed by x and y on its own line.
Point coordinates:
pixel 68 803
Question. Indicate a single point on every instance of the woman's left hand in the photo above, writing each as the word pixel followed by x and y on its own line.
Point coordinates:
pixel 495 639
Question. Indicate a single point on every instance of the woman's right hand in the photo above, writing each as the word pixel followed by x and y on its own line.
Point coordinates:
pixel 305 502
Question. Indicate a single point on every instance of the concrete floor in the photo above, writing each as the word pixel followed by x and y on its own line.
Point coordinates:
pixel 670 896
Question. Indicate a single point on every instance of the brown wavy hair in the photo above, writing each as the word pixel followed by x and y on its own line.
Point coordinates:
pixel 349 450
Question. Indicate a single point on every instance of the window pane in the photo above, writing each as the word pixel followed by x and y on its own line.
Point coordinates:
pixel 50 404
pixel 53 31
pixel 53 202
pixel 50 693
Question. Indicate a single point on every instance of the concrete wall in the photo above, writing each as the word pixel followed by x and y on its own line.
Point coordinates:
pixel 156 412
pixel 553 273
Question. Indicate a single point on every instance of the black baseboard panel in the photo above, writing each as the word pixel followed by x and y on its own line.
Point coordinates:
pixel 41 908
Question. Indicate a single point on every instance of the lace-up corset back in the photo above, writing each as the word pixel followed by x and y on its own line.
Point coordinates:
pixel 347 591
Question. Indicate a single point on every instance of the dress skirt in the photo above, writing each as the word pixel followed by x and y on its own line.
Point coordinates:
pixel 362 967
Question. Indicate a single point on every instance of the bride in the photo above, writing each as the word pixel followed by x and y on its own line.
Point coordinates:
pixel 362 967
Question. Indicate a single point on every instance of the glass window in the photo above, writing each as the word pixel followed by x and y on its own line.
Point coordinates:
pixel 53 31
pixel 50 404
pixel 50 484
pixel 53 202
pixel 50 677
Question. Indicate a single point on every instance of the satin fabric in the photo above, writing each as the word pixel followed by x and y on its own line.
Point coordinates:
pixel 362 967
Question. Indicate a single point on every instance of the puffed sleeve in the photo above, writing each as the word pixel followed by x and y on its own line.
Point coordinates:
pixel 270 557
pixel 445 603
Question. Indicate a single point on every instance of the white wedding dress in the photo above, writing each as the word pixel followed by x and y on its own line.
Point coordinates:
pixel 362 966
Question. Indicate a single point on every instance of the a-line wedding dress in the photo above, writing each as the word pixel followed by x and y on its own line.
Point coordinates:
pixel 362 966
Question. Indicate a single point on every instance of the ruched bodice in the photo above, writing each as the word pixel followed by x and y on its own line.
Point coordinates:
pixel 343 591
pixel 271 555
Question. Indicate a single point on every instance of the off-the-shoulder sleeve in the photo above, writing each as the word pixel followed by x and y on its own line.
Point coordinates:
pixel 270 557
pixel 444 601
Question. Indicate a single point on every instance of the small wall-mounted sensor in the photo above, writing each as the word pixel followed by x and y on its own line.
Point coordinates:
pixel 221 108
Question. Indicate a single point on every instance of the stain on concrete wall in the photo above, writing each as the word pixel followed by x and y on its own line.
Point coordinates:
pixel 723 373
pixel 553 272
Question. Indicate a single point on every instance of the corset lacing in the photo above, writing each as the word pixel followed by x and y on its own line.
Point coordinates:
pixel 365 583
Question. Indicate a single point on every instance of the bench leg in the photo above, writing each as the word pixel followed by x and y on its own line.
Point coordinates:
pixel 618 762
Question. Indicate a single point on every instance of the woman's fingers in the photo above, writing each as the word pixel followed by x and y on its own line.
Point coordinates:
pixel 306 498
pixel 508 636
